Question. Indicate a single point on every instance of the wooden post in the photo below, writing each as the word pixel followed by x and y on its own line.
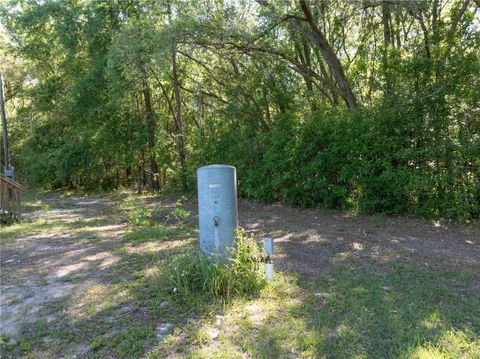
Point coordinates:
pixel 10 196
pixel 4 125
pixel 2 197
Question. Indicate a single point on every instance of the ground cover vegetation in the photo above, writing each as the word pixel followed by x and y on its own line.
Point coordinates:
pixel 85 278
pixel 370 106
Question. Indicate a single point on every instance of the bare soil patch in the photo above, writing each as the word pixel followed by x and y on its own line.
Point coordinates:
pixel 308 241
pixel 45 272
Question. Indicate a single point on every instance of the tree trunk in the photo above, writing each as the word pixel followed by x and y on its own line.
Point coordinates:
pixel 152 179
pixel 387 43
pixel 317 37
pixel 4 125
pixel 178 101
pixel 178 113
pixel 304 57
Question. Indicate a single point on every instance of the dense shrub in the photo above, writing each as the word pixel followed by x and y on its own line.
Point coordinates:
pixel 395 159
pixel 239 274
pixel 106 111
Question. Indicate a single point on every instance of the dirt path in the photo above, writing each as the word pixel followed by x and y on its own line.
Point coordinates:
pixel 38 265
pixel 68 254
pixel 309 242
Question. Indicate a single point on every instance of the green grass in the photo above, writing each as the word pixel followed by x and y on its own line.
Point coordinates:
pixel 391 314
pixel 91 222
pixel 130 344
pixel 239 274
pixel 148 234
pixel 42 281
pixel 384 310
pixel 27 227
pixel 394 311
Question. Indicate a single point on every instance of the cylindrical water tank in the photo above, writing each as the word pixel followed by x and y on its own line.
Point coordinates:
pixel 217 208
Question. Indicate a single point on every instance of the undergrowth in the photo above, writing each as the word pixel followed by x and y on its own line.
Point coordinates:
pixel 239 274
pixel 142 216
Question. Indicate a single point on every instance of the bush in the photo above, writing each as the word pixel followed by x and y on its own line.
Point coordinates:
pixel 156 216
pixel 399 158
pixel 239 274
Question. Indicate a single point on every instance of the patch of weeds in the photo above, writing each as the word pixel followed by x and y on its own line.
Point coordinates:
pixel 96 343
pixel 40 329
pixel 57 305
pixel 66 278
pixel 394 311
pixel 379 315
pixel 64 333
pixel 7 219
pixel 3 342
pixel 42 281
pixel 9 233
pixel 157 216
pixel 46 207
pixel 87 223
pixel 12 349
pixel 239 274
pixel 131 343
pixel 32 337
pixel 25 346
pixel 141 217
pixel 143 235
pixel 178 215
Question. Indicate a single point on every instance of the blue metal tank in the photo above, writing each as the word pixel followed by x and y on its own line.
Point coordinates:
pixel 217 208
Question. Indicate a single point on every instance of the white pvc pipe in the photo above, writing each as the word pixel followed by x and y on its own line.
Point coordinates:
pixel 268 271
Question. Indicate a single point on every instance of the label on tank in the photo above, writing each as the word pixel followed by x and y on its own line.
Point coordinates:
pixel 215 190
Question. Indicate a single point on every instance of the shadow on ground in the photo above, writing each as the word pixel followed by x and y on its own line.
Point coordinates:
pixel 86 284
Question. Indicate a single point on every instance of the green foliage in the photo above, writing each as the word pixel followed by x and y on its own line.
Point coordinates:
pixel 93 101
pixel 141 216
pixel 387 160
pixel 130 344
pixel 239 274
pixel 157 216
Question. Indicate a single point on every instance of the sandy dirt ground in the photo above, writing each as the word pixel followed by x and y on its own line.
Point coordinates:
pixel 36 266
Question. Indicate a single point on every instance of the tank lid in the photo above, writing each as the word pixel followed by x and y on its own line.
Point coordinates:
pixel 212 167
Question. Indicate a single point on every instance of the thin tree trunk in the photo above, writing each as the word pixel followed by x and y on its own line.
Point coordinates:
pixel 30 116
pixel 426 37
pixel 139 179
pixel 317 37
pixel 178 112
pixel 4 125
pixel 178 103
pixel 151 126
pixel 304 57
pixel 387 42
pixel 128 173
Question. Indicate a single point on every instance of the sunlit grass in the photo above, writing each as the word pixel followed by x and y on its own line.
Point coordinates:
pixel 386 310
pixel 30 227
pixel 90 222
pixel 401 312
pixel 142 235
pixel 451 344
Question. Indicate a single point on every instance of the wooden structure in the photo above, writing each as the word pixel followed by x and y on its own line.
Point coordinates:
pixel 10 197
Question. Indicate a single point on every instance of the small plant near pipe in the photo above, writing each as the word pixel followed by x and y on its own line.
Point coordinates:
pixel 239 274
pixel 142 216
